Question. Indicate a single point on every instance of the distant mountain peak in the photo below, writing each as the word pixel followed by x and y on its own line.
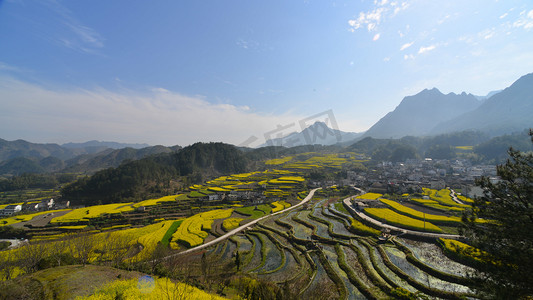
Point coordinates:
pixel 430 91
pixel 418 114
pixel 504 112
pixel 317 133
pixel 318 124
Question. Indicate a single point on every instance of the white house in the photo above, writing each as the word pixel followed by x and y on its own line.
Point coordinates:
pixel 10 210
pixel 45 204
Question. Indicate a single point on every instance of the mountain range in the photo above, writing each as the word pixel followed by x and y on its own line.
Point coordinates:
pixel 508 111
pixel 427 113
pixel 17 157
pixel 98 144
pixel 417 115
pixel 431 112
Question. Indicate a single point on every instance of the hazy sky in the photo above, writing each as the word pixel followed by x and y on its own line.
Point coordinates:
pixel 177 72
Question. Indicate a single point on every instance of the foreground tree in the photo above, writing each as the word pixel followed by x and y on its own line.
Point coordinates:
pixel 508 238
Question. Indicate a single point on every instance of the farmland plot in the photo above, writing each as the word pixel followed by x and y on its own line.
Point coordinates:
pixel 313 250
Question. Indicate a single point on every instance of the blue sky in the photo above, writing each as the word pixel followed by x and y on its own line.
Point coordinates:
pixel 177 72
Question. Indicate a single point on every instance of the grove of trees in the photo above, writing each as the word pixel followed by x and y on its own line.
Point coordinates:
pixel 506 241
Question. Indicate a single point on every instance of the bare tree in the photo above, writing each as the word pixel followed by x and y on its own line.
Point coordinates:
pixel 83 247
pixel 30 256
pixel 157 257
pixel 8 265
pixel 57 250
pixel 176 291
pixel 181 267
pixel 117 249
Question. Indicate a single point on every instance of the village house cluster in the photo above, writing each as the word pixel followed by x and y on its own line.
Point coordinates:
pixel 43 205
pixel 413 174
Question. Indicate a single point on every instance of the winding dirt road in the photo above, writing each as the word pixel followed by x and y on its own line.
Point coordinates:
pixel 348 204
pixel 241 228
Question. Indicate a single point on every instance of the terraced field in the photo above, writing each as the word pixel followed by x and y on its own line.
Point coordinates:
pixel 318 253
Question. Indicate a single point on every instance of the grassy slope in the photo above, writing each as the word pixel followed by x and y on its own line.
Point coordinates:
pixel 69 282
pixel 66 282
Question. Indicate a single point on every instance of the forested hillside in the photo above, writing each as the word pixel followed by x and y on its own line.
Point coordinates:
pixel 152 175
pixel 445 146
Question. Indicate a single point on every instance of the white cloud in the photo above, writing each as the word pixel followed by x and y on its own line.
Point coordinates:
pixel 525 21
pixel 10 68
pixel 401 7
pixel 159 90
pixel 443 19
pixel 423 50
pixel 376 37
pixel 75 35
pixel 158 116
pixel 408 56
pixel 86 35
pixel 406 45
pixel 373 18
pixel 504 15
pixel 487 33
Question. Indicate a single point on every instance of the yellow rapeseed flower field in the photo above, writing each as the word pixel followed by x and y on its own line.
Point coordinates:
pixel 191 229
pixel 464 250
pixel 86 213
pixel 148 288
pixel 24 218
pixel 362 228
pixel 369 196
pixel 420 215
pixel 388 216
pixel 151 202
pixel 443 197
pixel 231 223
pixel 279 205
pixel 154 234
